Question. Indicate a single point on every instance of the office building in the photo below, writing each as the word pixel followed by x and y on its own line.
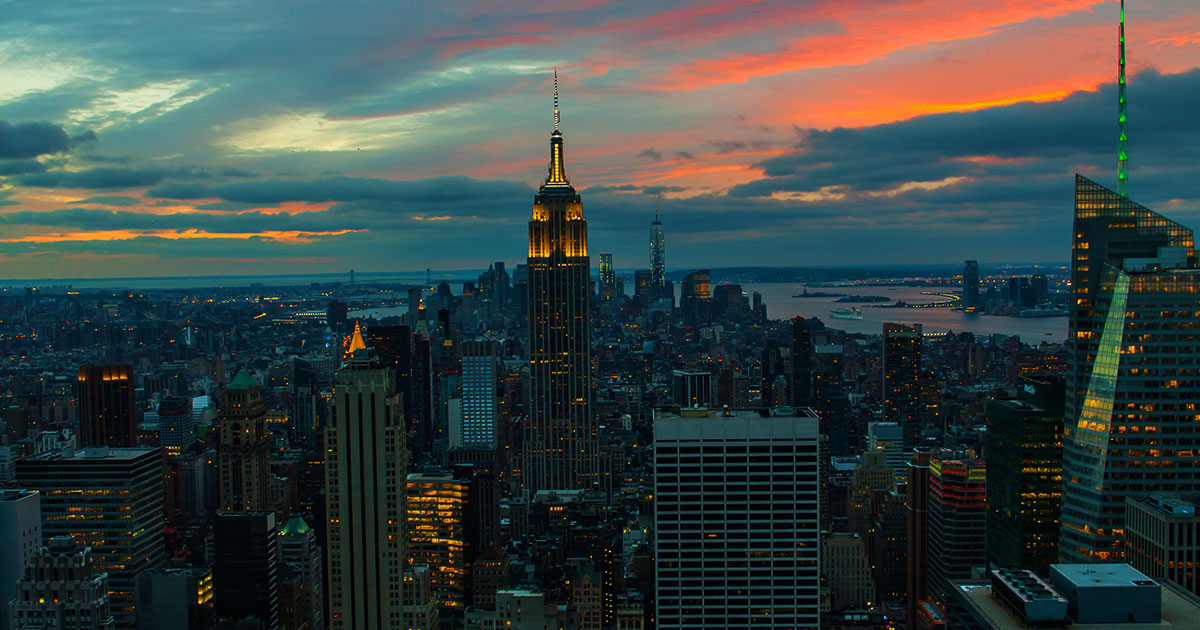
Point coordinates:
pixel 872 480
pixel 20 539
pixel 106 407
pixel 121 492
pixel 420 602
pixel 298 549
pixel 658 254
pixel 802 363
pixel 243 458
pixel 608 278
pixel 1135 301
pixel 738 485
pixel 1162 538
pixel 393 350
pixel 246 569
pixel 888 546
pixel 438 536
pixel 561 443
pixel 176 599
pixel 365 466
pixel 957 526
pixel 888 438
pixel 62 590
pixel 917 506
pixel 970 284
pixel 901 379
pixel 1023 443
pixel 176 425
pixel 695 297
pixel 480 413
pixel 692 389
pixel 847 571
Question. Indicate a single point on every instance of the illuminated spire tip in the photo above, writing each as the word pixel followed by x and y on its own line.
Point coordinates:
pixel 556 99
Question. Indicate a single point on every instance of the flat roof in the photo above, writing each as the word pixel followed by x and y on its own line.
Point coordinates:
pixel 1179 610
pixel 1102 575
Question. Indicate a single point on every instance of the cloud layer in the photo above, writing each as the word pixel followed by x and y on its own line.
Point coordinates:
pixel 382 137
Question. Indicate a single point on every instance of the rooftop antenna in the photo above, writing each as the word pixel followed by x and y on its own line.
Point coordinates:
pixel 556 90
pixel 656 207
pixel 1122 156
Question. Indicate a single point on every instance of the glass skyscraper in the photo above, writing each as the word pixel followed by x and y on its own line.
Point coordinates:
pixel 1132 425
pixel 658 254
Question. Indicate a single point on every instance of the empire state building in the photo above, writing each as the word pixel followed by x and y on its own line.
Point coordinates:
pixel 561 444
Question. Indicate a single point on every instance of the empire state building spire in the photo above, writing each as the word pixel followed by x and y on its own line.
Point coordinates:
pixel 556 179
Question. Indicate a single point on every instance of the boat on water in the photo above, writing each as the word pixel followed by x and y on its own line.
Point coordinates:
pixel 840 312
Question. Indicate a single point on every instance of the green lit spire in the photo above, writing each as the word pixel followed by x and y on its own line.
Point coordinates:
pixel 1122 155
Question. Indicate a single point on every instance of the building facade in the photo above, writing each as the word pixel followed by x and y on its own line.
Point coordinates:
pixel 62 590
pixel 1162 538
pixel 243 458
pixel 480 414
pixel 741 486
pixel 365 468
pixel 1132 361
pixel 561 442
pixel 20 538
pixel 902 379
pixel 106 406
pixel 1023 443
pixel 119 493
pixel 957 523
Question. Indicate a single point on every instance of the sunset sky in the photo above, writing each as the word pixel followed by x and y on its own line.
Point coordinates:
pixel 148 137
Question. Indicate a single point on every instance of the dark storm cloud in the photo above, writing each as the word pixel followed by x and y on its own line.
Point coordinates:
pixel 684 155
pixel 31 139
pixel 651 153
pixel 101 178
pixel 1080 129
pixel 424 191
pixel 21 167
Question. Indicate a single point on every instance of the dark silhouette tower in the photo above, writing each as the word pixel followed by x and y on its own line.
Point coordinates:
pixel 561 447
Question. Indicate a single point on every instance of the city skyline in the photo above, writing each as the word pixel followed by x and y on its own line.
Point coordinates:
pixel 768 132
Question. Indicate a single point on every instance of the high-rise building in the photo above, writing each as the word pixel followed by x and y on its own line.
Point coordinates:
pixel 439 533
pixel 902 379
pixel 1135 301
pixel 298 548
pixel 1023 443
pixel 695 297
pixel 176 424
pixel 1162 538
pixel 121 492
pixel 658 253
pixel 692 389
pixel 608 278
pixel 243 458
pixel 480 421
pixel 957 524
pixel 393 349
pixel 365 468
pixel 847 571
pixel 802 363
pixel 888 438
pixel 888 545
pixel 970 284
pixel 106 407
pixel 64 590
pixel 738 485
pixel 561 442
pixel 179 599
pixel 246 569
pixel 871 481
pixel 917 489
pixel 20 538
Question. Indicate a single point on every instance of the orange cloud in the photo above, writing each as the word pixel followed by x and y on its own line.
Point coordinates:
pixel 282 236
